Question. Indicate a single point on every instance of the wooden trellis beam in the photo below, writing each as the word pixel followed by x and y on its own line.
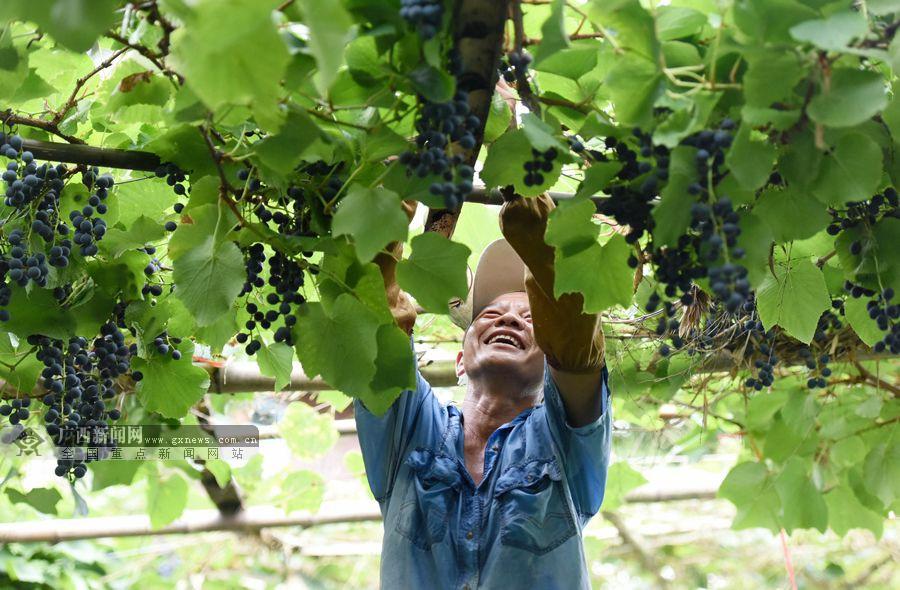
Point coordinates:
pixel 69 153
pixel 256 518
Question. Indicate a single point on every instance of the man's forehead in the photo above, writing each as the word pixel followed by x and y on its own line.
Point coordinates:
pixel 516 299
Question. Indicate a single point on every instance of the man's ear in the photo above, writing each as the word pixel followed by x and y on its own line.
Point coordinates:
pixel 460 369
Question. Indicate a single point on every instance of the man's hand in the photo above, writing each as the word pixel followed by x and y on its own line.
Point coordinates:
pixel 571 340
pixel 402 309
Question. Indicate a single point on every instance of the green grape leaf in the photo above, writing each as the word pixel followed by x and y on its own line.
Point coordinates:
pixel 330 29
pixel 112 473
pixel 791 214
pixel 396 370
pixel 848 452
pixel 434 84
pixel 673 212
pixel 339 345
pixel 498 119
pixel 170 387
pixel 802 505
pixel 217 334
pixel 850 172
pixel 41 499
pixel 19 368
pixel 372 217
pixel 755 239
pixel 276 360
pixel 854 96
pixel 596 178
pixel 220 470
pixel 621 479
pixel 634 84
pixel 882 471
pixel 631 26
pixel 833 33
pixel 208 274
pixel 283 151
pixel 38 312
pixel 219 50
pixel 793 299
pixel 762 409
pixel 858 317
pixel 166 498
pixel 600 273
pixel 882 7
pixel 771 76
pixel 845 512
pixel 750 161
pixel 308 433
pixel 75 24
pixel 540 135
pixel 512 147
pixel 676 22
pixel 770 21
pixel 142 232
pixel 553 33
pixel 301 490
pixel 435 272
pixel 750 488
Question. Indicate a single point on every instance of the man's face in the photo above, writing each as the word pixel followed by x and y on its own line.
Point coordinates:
pixel 500 342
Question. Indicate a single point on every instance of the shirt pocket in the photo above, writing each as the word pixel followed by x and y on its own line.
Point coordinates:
pixel 430 498
pixel 534 514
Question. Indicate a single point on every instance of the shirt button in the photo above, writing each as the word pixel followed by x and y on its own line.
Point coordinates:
pixel 469 536
pixel 495 448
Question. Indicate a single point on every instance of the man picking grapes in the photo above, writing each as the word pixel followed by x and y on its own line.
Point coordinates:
pixel 495 493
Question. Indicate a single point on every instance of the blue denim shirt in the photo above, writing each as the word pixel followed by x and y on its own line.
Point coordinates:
pixel 520 527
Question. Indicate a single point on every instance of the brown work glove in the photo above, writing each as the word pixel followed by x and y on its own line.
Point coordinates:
pixel 571 340
pixel 402 309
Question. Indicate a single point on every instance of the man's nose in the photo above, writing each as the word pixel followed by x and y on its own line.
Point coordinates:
pixel 511 318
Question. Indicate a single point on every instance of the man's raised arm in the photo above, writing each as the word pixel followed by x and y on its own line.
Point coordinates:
pixel 384 439
pixel 571 340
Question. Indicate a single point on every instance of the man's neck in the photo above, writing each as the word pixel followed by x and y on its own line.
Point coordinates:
pixel 486 408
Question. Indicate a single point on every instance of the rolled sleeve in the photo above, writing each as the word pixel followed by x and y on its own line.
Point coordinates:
pixel 585 450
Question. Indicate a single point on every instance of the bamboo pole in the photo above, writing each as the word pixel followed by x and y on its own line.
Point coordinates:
pixel 256 518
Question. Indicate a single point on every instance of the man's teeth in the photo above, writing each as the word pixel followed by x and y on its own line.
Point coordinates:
pixel 506 340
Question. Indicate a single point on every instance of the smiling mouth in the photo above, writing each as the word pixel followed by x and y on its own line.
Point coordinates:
pixel 506 339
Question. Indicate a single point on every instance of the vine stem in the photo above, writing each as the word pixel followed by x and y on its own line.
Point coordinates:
pixel 822 260
pixel 80 82
pixel 224 186
pixel 10 119
pixel 875 380
pixel 151 56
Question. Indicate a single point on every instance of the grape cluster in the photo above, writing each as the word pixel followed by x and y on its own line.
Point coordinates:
pixel 290 213
pixel 165 345
pixel 287 277
pixel 175 177
pixel 153 267
pixel 424 15
pixel 33 192
pixel 514 67
pixel 817 366
pixel 79 377
pixel 440 127
pixel 16 410
pixel 632 193
pixel 540 162
pixel 863 212
pixel 765 367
